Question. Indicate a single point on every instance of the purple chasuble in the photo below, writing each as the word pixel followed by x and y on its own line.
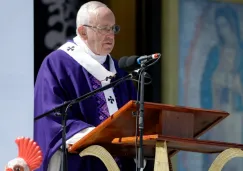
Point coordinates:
pixel 61 78
pixel 100 98
pixel 101 102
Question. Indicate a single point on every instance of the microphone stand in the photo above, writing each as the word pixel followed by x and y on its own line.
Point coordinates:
pixel 61 110
pixel 141 118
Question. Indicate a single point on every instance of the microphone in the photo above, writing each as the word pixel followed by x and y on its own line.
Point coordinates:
pixel 134 62
pixel 147 57
pixel 128 63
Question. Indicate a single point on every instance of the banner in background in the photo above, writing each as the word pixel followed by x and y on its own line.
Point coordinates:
pixel 54 24
pixel 211 72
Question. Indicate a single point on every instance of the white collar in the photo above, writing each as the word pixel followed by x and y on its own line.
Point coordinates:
pixel 101 59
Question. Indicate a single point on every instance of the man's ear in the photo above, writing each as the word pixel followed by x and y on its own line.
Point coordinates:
pixel 83 32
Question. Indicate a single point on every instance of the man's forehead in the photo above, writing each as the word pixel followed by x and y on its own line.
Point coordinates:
pixel 102 15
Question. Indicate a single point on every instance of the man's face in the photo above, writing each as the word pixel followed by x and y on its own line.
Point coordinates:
pixel 100 36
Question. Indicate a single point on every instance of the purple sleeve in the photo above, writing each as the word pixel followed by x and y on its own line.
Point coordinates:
pixel 49 93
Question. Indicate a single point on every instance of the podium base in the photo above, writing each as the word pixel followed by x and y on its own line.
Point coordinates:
pixel 161 161
pixel 101 153
pixel 162 158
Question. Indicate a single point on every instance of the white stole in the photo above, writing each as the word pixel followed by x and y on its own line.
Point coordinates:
pixel 80 55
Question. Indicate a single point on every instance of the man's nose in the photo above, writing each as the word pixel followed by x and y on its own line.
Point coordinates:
pixel 111 35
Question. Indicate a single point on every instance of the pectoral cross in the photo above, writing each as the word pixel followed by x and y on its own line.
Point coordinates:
pixel 70 48
pixel 111 100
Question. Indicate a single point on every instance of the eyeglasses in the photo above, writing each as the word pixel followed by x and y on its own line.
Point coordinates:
pixel 106 29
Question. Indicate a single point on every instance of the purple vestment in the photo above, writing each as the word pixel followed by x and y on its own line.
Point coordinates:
pixel 60 79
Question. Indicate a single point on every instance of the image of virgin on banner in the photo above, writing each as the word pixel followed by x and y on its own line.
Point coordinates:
pixel 211 72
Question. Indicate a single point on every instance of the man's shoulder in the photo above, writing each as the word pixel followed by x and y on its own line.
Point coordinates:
pixel 58 56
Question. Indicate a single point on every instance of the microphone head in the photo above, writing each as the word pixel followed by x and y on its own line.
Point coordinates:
pixel 122 62
pixel 129 63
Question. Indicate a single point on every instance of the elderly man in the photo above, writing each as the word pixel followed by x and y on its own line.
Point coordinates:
pixel 78 67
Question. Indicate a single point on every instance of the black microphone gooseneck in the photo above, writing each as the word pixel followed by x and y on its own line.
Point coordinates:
pixel 144 64
pixel 140 63
pixel 141 118
pixel 61 110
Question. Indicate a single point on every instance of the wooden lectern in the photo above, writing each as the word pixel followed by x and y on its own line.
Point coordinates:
pixel 167 129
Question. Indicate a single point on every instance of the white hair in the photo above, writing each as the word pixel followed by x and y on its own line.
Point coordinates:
pixel 83 14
